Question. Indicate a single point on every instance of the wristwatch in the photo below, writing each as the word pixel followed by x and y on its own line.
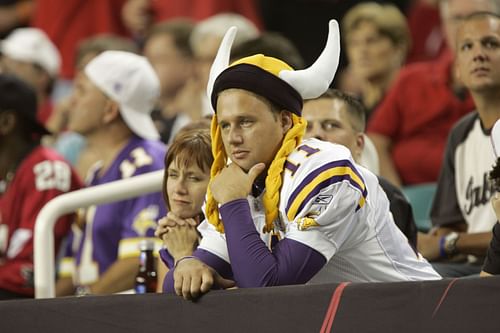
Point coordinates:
pixel 450 243
pixel 83 290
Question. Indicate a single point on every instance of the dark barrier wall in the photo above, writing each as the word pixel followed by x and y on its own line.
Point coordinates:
pixel 467 305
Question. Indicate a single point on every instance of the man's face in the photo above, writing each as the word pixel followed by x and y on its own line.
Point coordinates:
pixel 26 71
pixel 453 11
pixel 478 53
pixel 87 107
pixel 251 132
pixel 172 67
pixel 328 120
pixel 204 54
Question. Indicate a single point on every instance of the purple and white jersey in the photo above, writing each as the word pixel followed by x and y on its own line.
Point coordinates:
pixel 113 231
pixel 336 207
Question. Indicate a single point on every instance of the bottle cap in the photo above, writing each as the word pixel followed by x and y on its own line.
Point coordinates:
pixel 146 244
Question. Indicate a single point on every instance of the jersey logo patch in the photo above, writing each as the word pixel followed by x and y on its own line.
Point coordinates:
pixel 323 199
pixel 307 222
pixel 145 220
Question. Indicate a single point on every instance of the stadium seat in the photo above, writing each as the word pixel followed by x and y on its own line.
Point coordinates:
pixel 420 198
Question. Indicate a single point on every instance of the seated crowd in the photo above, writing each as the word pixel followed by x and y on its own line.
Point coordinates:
pixel 271 177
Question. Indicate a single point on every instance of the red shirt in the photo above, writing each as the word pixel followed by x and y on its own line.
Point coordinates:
pixel 201 9
pixel 417 115
pixel 40 177
pixel 67 22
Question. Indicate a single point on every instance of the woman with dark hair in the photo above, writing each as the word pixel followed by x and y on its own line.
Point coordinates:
pixel 185 181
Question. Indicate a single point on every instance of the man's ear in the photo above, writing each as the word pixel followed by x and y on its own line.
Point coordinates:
pixel 7 122
pixel 360 141
pixel 286 120
pixel 111 112
pixel 360 145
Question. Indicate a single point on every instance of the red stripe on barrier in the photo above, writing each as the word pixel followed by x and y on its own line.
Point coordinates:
pixel 444 296
pixel 333 307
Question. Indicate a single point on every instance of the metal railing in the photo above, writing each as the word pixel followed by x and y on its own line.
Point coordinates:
pixel 44 261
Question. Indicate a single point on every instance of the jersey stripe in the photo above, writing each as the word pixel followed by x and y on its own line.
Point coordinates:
pixel 320 178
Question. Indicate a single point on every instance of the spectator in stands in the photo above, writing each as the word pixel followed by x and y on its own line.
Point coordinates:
pixel 271 44
pixel 461 212
pixel 76 20
pixel 30 176
pixel 70 144
pixel 169 52
pixel 492 261
pixel 421 107
pixel 337 117
pixel 14 14
pixel 308 205
pixel 205 39
pixel 377 41
pixel 140 15
pixel 114 97
pixel 185 181
pixel 29 54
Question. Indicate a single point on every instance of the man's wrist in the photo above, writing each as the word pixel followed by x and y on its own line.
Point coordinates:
pixel 448 244
pixel 231 199
pixel 177 262
pixel 182 254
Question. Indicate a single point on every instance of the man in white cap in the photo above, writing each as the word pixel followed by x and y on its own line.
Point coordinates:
pixel 113 99
pixel 29 54
pixel 286 211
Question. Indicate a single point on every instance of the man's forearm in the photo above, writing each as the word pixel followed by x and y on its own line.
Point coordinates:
pixel 119 277
pixel 476 243
pixel 253 264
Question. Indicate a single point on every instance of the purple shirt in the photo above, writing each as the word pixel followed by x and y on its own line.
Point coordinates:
pixel 113 230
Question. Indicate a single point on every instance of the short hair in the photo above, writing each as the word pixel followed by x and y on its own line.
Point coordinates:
pixel 217 26
pixel 180 29
pixel 271 44
pixel 104 42
pixel 189 146
pixel 388 19
pixel 477 15
pixel 495 3
pixel 356 110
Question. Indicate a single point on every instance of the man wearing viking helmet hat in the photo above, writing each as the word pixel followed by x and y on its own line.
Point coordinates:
pixel 281 210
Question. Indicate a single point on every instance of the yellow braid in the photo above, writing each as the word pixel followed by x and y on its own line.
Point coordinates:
pixel 220 160
pixel 273 180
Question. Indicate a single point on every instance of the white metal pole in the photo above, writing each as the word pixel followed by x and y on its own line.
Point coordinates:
pixel 44 265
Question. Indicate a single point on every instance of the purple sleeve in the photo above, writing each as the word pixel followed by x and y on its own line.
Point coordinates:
pixel 253 264
pixel 208 258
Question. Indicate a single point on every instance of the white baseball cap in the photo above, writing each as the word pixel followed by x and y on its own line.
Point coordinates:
pixel 32 45
pixel 130 80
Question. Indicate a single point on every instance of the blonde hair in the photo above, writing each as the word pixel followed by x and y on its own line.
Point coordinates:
pixel 273 180
pixel 387 18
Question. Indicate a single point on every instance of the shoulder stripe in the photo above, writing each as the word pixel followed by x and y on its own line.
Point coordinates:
pixel 320 178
